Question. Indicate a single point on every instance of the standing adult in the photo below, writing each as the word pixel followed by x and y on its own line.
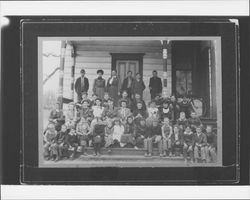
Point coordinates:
pixel 81 85
pixel 99 85
pixel 113 86
pixel 155 85
pixel 138 86
pixel 127 83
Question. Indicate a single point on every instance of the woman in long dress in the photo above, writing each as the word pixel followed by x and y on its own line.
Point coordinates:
pixel 113 86
pixel 138 86
pixel 99 85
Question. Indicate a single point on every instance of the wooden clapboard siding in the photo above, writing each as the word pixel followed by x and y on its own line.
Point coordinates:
pixel 94 55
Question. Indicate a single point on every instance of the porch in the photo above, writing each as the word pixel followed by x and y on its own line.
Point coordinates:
pixel 185 67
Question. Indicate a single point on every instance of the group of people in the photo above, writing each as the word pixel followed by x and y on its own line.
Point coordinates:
pixel 126 121
pixel 114 87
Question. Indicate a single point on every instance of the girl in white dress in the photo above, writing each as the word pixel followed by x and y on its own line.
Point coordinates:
pixel 118 131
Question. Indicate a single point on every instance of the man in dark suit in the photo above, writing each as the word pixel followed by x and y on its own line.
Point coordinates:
pixel 155 85
pixel 127 83
pixel 81 85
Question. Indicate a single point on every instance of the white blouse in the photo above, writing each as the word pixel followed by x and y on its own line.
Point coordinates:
pixel 118 131
pixel 152 112
pixel 97 111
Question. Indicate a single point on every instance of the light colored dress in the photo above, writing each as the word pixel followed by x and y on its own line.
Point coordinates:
pixel 118 132
pixel 97 111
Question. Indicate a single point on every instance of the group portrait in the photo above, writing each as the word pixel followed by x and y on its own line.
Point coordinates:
pixel 130 101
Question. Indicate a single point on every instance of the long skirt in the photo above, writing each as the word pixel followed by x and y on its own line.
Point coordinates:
pixel 100 92
pixel 113 93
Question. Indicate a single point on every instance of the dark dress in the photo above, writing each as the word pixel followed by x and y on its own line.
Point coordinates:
pixel 113 89
pixel 99 87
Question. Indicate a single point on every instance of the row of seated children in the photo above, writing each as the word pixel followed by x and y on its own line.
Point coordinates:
pixel 133 131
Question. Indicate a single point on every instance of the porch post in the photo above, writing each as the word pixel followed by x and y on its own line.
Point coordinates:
pixel 165 45
pixel 61 73
pixel 73 57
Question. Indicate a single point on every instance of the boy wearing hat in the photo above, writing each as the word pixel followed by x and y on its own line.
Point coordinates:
pixel 81 85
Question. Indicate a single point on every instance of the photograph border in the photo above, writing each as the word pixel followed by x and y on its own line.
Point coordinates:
pixel 228 33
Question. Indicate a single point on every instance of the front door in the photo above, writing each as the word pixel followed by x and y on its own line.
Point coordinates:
pixel 123 66
pixel 123 62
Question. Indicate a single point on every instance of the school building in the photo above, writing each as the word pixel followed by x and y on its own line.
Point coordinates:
pixel 186 66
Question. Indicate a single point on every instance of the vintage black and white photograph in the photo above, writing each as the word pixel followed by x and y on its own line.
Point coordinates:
pixel 130 101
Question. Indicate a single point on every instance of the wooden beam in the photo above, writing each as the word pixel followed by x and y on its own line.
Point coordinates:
pixel 61 73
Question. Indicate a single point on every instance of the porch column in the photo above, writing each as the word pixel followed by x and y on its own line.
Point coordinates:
pixel 73 57
pixel 165 44
pixel 61 73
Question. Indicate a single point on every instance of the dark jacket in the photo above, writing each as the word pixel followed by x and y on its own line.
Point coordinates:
pixel 156 85
pixel 152 131
pixel 125 84
pixel 78 88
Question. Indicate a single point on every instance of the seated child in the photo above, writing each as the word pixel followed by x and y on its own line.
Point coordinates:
pixel 140 131
pixel 182 121
pixel 71 113
pixel 97 108
pixel 57 117
pixel 166 111
pixel 83 131
pixel 110 111
pixel 85 112
pixel 123 112
pixel 137 98
pixel 175 108
pixel 109 141
pixel 127 138
pixel 188 143
pixel 185 106
pixel 118 131
pixel 92 100
pixel 194 121
pixel 153 113
pixel 139 113
pixel 200 142
pixel 176 140
pixel 158 101
pixel 125 97
pixel 153 135
pixel 98 136
pixel 62 147
pixel 49 142
pixel 105 99
pixel 84 97
pixel 72 142
pixel 211 147
pixel 167 132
